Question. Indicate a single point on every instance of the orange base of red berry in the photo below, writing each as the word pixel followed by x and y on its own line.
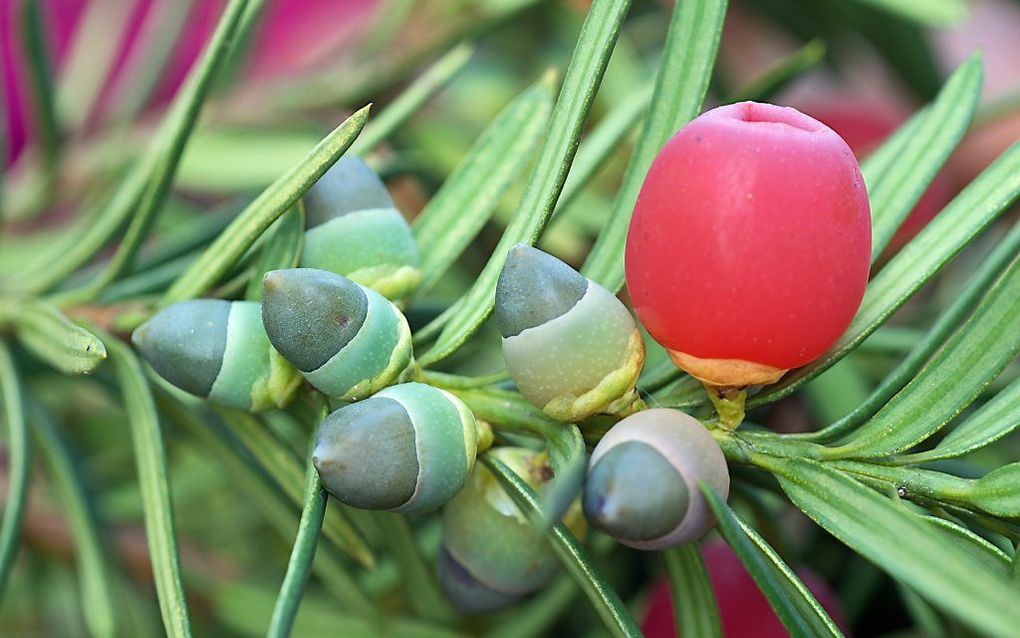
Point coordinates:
pixel 726 373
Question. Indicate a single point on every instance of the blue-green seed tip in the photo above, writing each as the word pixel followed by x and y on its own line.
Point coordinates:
pixel 185 343
pixel 349 185
pixel 634 493
pixel 365 454
pixel 534 287
pixel 311 314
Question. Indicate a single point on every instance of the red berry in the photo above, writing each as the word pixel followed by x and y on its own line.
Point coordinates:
pixel 749 249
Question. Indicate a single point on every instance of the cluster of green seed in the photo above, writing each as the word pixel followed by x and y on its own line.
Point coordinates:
pixel 571 347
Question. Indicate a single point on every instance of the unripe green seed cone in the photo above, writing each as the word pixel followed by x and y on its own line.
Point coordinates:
pixel 347 340
pixel 407 449
pixel 468 594
pixel 570 345
pixel 663 448
pixel 355 230
pixel 495 554
pixel 218 350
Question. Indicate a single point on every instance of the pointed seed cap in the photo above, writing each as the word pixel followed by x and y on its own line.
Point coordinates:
pixel 185 343
pixel 311 314
pixel 534 287
pixel 366 454
pixel 349 185
pixel 635 493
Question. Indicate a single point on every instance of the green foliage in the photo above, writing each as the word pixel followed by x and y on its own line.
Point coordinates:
pixel 150 457
pixel 275 200
pixel 953 377
pixel 982 278
pixel 895 184
pixel 996 419
pixel 777 77
pixel 20 464
pixel 53 338
pixel 41 79
pixel 680 86
pixel 914 471
pixel 694 605
pixel 412 99
pixel 143 194
pixel 461 207
pixel 931 11
pixel 285 470
pixel 96 581
pixel 606 602
pixel 900 541
pixel 580 84
pixel 796 607
pixel 281 248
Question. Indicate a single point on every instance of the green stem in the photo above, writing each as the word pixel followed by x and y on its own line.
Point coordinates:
pixel 301 555
pixel 448 381
pixel 747 446
pixel 729 405
pixel 508 410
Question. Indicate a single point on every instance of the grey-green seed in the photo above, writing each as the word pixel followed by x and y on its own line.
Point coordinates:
pixel 185 342
pixel 635 493
pixel 534 287
pixel 310 314
pixel 365 454
pixel 348 186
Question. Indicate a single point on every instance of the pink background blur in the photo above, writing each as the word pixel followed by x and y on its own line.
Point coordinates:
pixel 292 36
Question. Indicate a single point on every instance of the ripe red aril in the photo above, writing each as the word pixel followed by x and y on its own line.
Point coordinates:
pixel 749 249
